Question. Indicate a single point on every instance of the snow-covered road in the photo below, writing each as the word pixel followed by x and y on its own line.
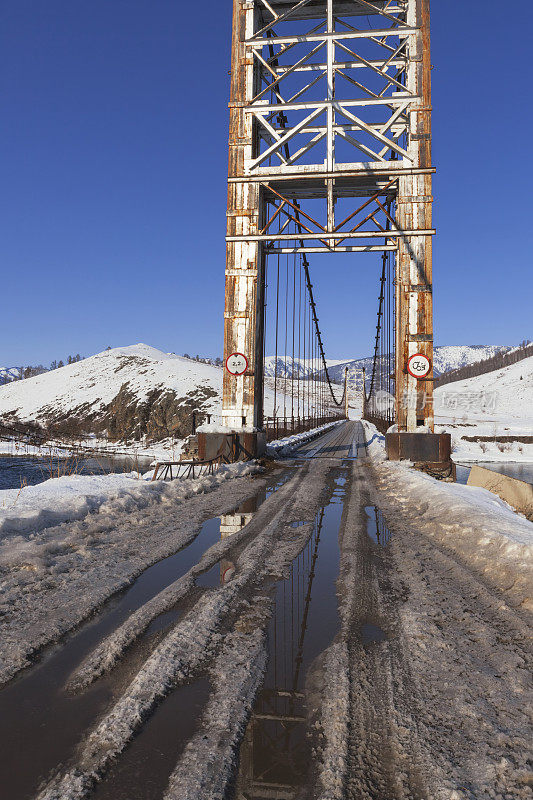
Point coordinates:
pixel 414 686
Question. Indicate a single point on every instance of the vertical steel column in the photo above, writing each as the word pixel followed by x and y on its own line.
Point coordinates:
pixel 414 325
pixel 330 147
pixel 242 395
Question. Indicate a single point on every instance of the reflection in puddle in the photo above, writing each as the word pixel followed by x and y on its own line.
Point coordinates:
pixel 142 771
pixel 376 527
pixel 37 716
pixel 162 621
pixel 275 754
pixel 229 524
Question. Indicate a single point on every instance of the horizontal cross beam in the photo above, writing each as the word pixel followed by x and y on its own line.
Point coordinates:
pixel 337 35
pixel 345 235
pixel 322 104
pixel 343 249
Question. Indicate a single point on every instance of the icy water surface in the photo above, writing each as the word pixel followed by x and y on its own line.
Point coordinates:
pixel 514 469
pixel 17 471
pixel 41 724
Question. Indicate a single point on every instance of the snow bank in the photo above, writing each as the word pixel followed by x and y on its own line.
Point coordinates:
pixel 70 498
pixel 482 530
pixel 374 440
pixel 214 428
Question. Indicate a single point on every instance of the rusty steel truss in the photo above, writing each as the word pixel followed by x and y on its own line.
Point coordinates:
pixel 329 152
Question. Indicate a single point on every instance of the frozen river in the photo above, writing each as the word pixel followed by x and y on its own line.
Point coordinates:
pixel 17 471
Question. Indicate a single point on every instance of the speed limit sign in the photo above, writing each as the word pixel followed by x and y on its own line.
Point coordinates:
pixel 419 365
pixel 236 364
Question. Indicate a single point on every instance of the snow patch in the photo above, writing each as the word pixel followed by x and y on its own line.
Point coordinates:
pixel 58 500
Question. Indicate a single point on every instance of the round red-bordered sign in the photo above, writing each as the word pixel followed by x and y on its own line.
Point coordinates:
pixel 419 366
pixel 236 364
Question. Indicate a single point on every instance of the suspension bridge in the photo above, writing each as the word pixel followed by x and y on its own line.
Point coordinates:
pixel 327 626
pixel 329 153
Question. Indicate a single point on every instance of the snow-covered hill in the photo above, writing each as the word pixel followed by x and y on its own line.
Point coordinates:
pixel 494 406
pixel 446 358
pixel 88 389
pixel 126 394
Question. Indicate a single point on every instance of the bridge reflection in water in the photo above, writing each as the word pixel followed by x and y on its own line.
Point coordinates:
pixel 275 753
pixel 377 526
pixel 233 523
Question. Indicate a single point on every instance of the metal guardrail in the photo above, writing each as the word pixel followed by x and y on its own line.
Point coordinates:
pixel 280 427
pixel 193 469
pixel 27 434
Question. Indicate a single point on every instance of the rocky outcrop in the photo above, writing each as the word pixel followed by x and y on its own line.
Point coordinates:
pixel 160 415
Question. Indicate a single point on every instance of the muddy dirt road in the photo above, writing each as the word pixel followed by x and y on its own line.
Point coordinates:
pixel 308 642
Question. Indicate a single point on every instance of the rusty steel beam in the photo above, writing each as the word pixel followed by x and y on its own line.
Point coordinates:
pixel 241 405
pixel 272 117
pixel 414 296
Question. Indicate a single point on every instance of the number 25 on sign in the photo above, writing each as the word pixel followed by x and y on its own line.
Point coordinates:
pixel 418 365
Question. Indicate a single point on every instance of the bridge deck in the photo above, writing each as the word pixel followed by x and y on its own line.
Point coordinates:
pixel 345 441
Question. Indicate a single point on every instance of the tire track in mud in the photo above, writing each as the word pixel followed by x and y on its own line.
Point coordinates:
pixel 473 657
pixel 194 641
pixel 438 704
pixel 63 595
pixel 466 656
pixel 375 752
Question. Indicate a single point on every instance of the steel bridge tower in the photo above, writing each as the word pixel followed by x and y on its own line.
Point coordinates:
pixel 329 152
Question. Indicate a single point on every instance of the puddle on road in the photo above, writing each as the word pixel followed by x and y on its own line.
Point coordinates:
pixel 38 717
pixel 376 526
pixel 143 769
pixel 229 524
pixel 275 755
pixel 372 633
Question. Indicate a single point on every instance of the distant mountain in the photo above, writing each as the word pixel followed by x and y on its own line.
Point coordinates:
pixel 450 357
pixel 446 358
pixel 8 373
pixel 286 368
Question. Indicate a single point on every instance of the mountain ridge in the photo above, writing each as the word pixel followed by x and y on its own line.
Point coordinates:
pixel 446 358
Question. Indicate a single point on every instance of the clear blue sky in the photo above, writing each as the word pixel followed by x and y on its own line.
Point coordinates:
pixel 113 145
